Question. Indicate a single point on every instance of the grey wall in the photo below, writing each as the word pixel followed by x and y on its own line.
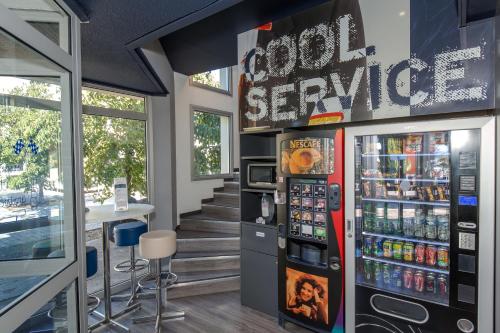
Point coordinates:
pixel 162 136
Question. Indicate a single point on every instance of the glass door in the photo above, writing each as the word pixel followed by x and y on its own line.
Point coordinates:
pixel 402 207
pixel 40 201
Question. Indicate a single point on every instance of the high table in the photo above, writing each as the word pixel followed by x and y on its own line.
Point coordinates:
pixel 104 215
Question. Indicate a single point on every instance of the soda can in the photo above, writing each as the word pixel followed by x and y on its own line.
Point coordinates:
pixel 397 250
pixel 442 257
pixel 408 278
pixel 419 282
pixel 387 274
pixel 420 253
pixel 367 246
pixel 388 248
pixel 368 270
pixel 430 283
pixel 408 251
pixel 397 278
pixel 378 273
pixel 442 282
pixel 431 255
pixel 378 247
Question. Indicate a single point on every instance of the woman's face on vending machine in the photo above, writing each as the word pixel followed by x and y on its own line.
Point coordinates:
pixel 306 292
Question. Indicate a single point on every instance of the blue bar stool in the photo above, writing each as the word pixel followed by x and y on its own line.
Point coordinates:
pixel 127 234
pixel 93 302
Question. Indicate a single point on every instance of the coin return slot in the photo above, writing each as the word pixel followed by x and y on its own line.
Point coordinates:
pixel 400 309
pixel 466 294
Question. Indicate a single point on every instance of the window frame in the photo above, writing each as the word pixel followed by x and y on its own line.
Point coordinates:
pixel 197 108
pixel 130 115
pixel 228 92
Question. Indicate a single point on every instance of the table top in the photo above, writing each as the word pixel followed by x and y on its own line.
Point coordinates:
pixel 106 213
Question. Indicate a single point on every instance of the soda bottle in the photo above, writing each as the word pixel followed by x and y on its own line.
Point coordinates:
pixel 368 217
pixel 368 270
pixel 430 227
pixel 409 220
pixel 378 225
pixel 378 273
pixel 419 226
pixel 387 275
pixel 397 278
pixel 394 222
pixel 443 231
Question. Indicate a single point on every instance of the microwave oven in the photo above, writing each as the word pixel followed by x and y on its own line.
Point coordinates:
pixel 261 175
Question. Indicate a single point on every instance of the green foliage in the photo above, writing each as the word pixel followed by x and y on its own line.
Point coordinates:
pixel 207 143
pixel 114 147
pixel 43 126
pixel 207 78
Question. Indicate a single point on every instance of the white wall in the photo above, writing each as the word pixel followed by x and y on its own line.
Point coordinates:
pixel 161 131
pixel 190 193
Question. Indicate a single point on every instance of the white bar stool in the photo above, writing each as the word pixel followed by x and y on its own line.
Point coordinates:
pixel 155 245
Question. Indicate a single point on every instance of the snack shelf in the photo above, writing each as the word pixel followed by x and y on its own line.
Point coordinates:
pixel 409 239
pixel 406 155
pixel 415 202
pixel 407 179
pixel 404 264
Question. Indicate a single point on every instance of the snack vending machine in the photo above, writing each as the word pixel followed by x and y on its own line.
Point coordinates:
pixel 420 227
pixel 310 219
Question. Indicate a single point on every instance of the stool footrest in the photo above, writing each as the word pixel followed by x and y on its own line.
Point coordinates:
pixel 93 303
pixel 126 266
pixel 167 279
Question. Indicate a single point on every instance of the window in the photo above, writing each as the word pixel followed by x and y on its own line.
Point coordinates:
pixel 114 145
pixel 217 80
pixel 36 185
pixel 45 16
pixel 211 136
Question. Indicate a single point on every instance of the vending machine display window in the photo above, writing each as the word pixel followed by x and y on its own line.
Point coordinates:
pixel 307 207
pixel 307 156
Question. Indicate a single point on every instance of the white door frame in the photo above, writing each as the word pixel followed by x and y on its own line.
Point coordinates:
pixel 74 272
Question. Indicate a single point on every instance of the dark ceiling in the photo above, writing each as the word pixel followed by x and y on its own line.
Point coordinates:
pixel 197 35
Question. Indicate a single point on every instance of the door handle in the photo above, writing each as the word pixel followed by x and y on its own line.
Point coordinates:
pixel 334 263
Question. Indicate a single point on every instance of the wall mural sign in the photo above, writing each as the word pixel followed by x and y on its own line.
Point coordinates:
pixel 348 60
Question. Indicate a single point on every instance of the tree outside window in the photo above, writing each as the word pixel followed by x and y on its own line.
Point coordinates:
pixel 217 80
pixel 211 143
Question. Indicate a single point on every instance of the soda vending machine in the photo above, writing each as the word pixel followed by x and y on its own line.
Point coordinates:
pixel 310 219
pixel 420 226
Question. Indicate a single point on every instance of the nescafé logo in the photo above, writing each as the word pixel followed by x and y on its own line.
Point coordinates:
pixel 305 143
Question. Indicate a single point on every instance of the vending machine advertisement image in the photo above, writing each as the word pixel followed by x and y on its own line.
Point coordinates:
pixel 420 226
pixel 310 218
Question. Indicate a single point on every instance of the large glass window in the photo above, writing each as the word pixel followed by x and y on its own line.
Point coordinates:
pixel 36 186
pixel 57 315
pixel 217 80
pixel 211 143
pixel 114 145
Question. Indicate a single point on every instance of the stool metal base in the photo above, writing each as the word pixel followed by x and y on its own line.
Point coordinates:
pixel 169 315
pixel 113 322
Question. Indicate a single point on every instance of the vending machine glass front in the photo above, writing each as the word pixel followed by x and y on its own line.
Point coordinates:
pixel 403 214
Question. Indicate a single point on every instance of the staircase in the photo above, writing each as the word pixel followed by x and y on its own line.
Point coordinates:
pixel 208 246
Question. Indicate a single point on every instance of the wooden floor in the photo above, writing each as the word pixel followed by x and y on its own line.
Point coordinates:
pixel 216 313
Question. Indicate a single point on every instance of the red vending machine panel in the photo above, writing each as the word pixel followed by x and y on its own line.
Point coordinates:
pixel 310 229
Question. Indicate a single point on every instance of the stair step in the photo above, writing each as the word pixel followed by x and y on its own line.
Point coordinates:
pixel 226 227
pixel 232 185
pixel 204 287
pixel 227 191
pixel 196 234
pixel 228 199
pixel 208 244
pixel 189 255
pixel 219 263
pixel 184 277
pixel 221 212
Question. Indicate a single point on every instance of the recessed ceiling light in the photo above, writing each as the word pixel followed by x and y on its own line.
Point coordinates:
pixel 403 13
